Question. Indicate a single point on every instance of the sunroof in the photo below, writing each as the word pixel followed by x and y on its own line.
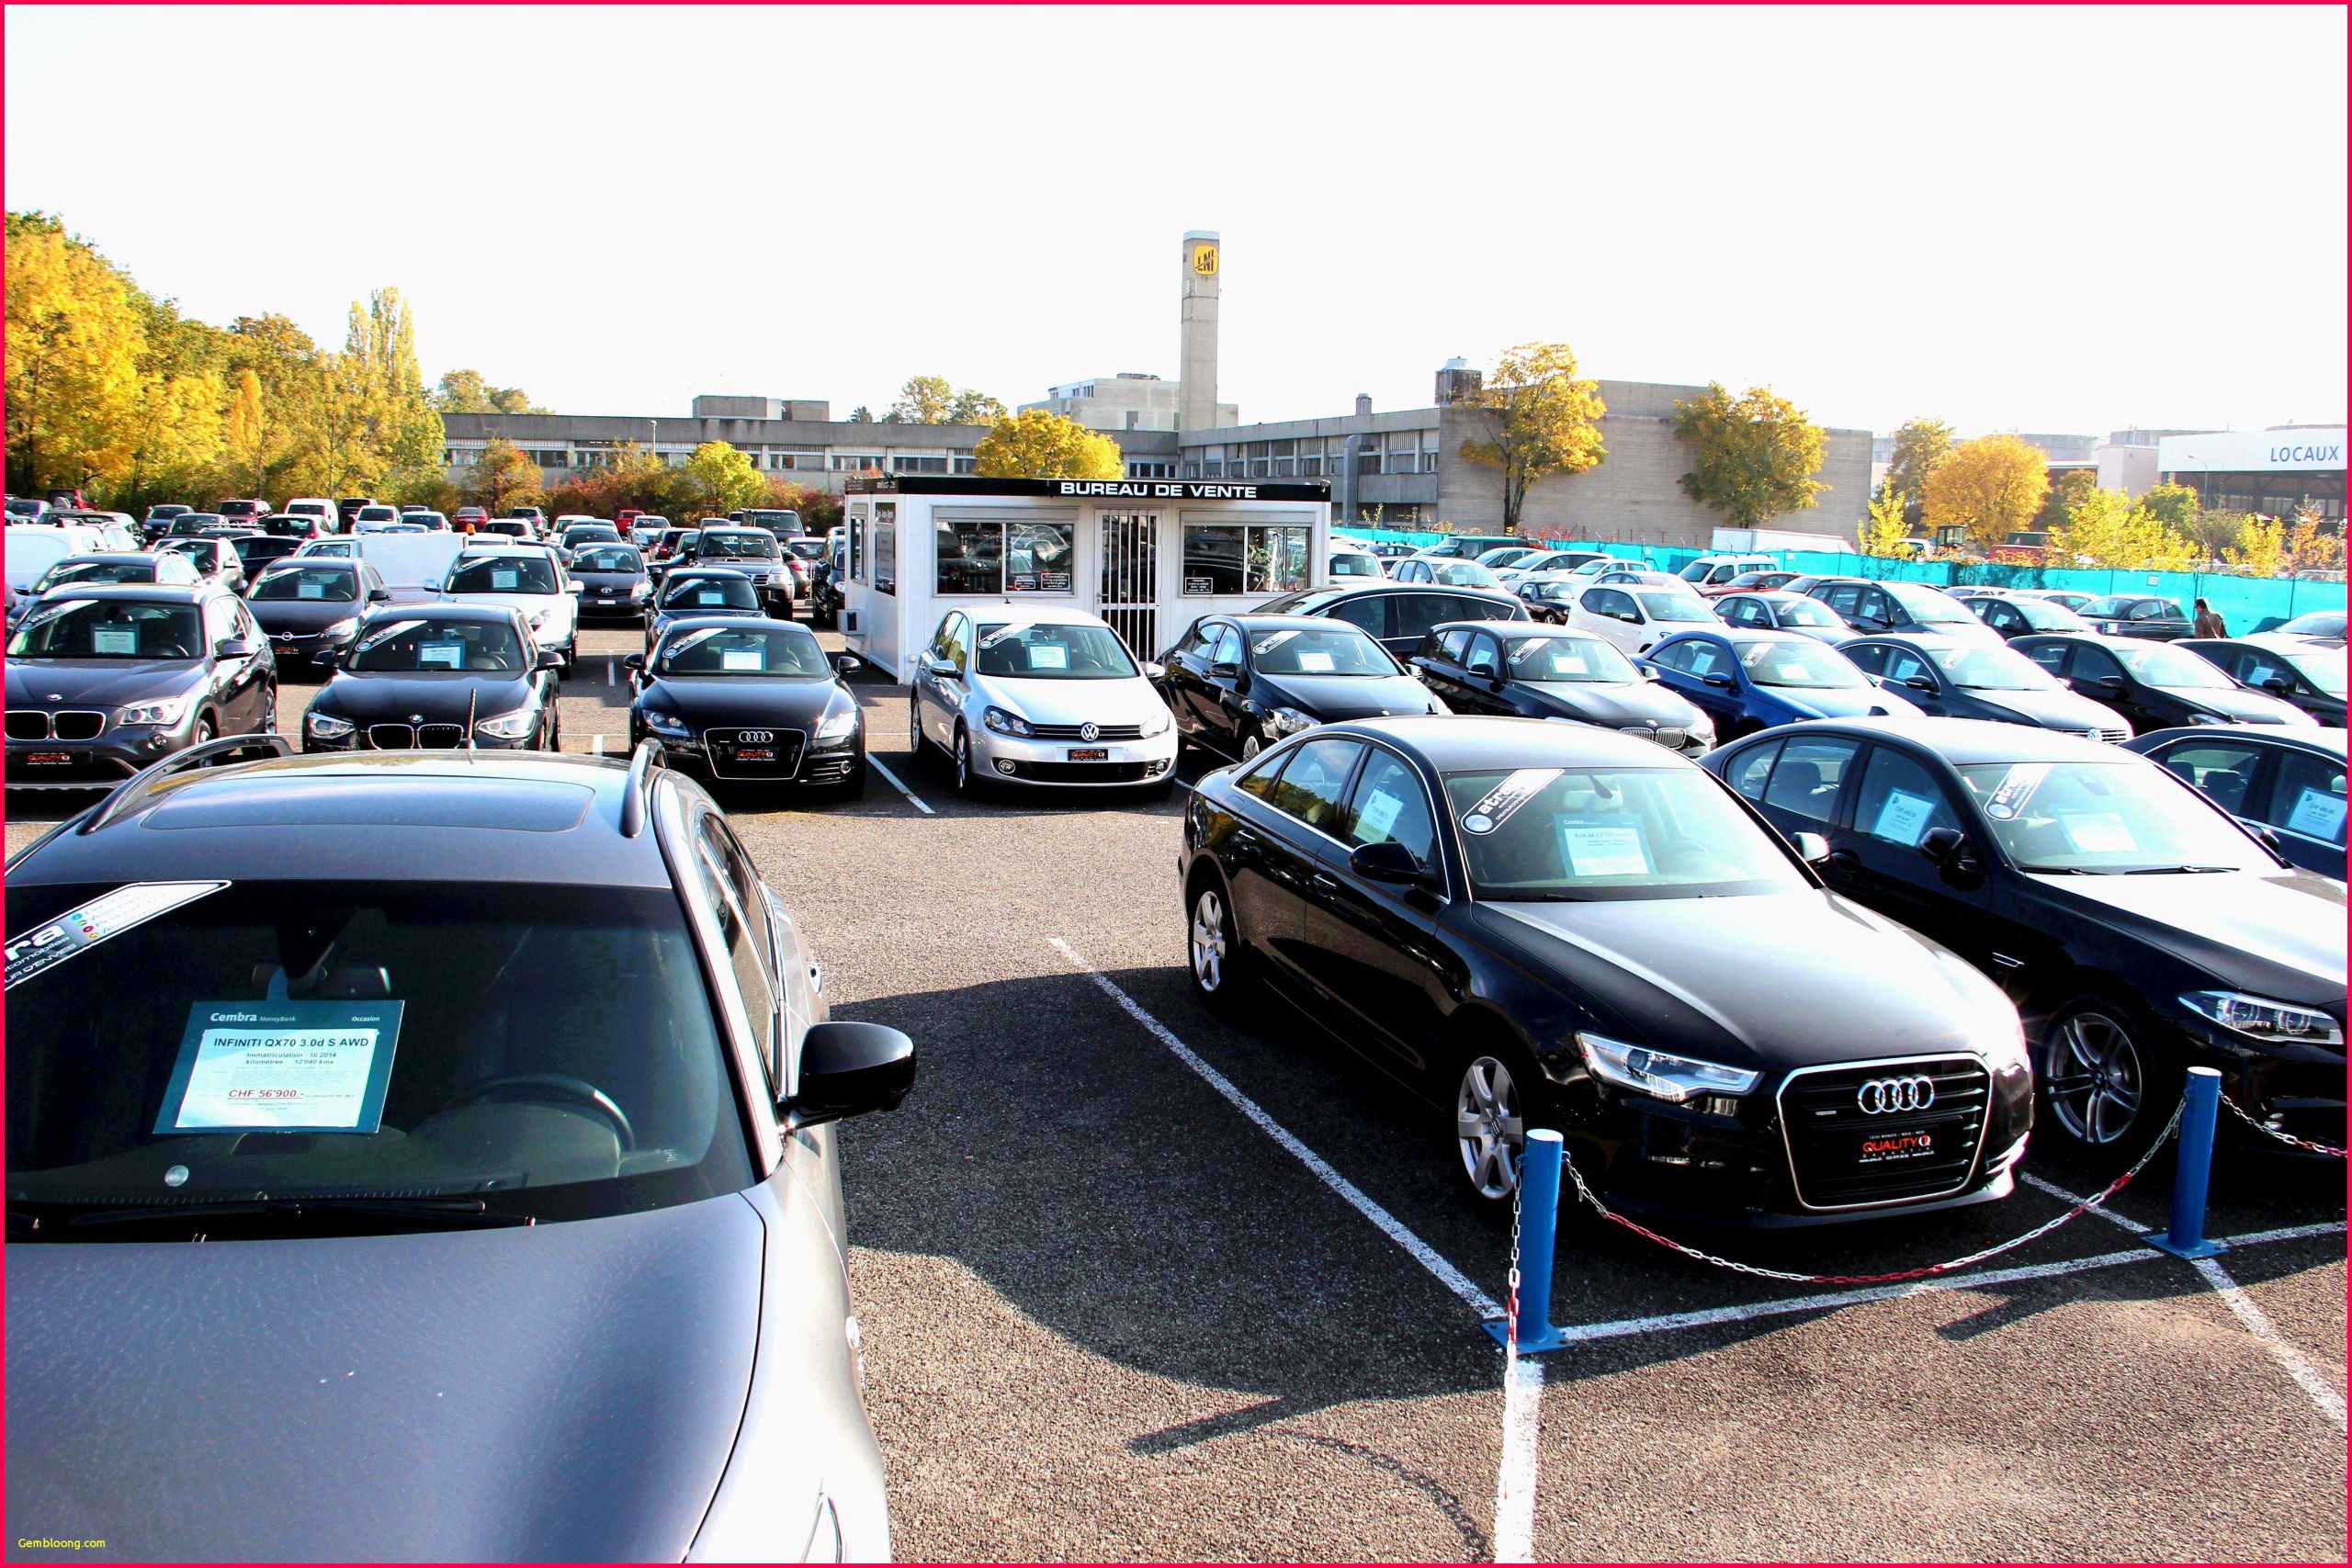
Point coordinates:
pixel 513 805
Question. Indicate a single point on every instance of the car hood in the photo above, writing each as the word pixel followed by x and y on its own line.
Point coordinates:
pixel 555 607
pixel 1632 701
pixel 1128 700
pixel 304 615
pixel 98 682
pixel 595 580
pixel 2278 934
pixel 566 1392
pixel 1839 702
pixel 1333 698
pixel 741 699
pixel 2254 707
pixel 1742 981
pixel 441 696
pixel 2061 709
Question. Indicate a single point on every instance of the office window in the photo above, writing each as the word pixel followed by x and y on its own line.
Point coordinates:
pixel 885 548
pixel 906 463
pixel 1311 467
pixel 1258 468
pixel 1191 470
pixel 1368 462
pixel 856 462
pixel 1005 557
pixel 1285 467
pixel 967 465
pixel 1213 468
pixel 1236 558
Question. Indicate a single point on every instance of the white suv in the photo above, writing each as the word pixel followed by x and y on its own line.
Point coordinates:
pixel 1636 616
pixel 528 579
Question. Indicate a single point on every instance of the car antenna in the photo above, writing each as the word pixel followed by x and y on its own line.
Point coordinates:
pixel 473 697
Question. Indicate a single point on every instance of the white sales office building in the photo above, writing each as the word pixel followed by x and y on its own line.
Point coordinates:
pixel 1148 556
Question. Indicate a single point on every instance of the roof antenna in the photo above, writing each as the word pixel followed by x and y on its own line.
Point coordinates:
pixel 472 697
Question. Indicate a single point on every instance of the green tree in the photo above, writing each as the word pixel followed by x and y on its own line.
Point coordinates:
pixel 860 415
pixel 502 476
pixel 1919 444
pixel 174 433
pixel 1039 445
pixel 2260 548
pixel 1988 487
pixel 1542 421
pixel 924 399
pixel 2063 497
pixel 464 392
pixel 2106 529
pixel 1886 525
pixel 73 341
pixel 1756 454
pixel 976 408
pixel 724 478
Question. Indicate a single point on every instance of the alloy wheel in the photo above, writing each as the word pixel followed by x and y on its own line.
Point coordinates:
pixel 963 761
pixel 1251 746
pixel 2094 1077
pixel 1208 941
pixel 1488 1127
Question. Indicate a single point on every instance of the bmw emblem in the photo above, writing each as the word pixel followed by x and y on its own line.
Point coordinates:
pixel 1088 731
pixel 416 719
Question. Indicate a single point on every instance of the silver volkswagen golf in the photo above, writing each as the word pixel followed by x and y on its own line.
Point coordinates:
pixel 500 1093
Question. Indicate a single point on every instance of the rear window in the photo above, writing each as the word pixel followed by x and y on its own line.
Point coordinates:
pixel 502 574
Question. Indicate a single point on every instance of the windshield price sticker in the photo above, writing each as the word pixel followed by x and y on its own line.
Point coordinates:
pixel 1313 661
pixel 2016 787
pixel 309 590
pixel 446 655
pixel 1604 849
pixel 504 579
pixel 742 658
pixel 282 1066
pixel 109 915
pixel 1047 656
pixel 2317 815
pixel 1904 818
pixel 114 641
pixel 2098 832
pixel 1495 807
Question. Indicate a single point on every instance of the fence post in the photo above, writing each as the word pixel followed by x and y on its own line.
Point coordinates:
pixel 1539 1229
pixel 2193 1167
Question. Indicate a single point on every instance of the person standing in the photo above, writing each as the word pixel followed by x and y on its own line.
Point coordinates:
pixel 2208 623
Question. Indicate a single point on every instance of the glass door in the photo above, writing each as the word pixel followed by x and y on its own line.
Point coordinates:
pixel 1129 596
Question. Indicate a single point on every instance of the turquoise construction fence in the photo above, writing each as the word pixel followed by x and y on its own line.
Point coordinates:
pixel 2245 604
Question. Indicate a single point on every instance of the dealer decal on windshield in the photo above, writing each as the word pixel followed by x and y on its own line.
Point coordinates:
pixel 2016 787
pixel 1496 807
pixel 111 914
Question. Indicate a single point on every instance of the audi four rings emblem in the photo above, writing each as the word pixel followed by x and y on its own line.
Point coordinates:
pixel 756 736
pixel 1088 731
pixel 1885 1097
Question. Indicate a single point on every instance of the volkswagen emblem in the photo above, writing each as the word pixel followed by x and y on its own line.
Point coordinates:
pixel 1088 731
pixel 1886 1097
pixel 755 736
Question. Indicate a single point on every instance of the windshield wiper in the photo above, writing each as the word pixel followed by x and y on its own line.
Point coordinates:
pixel 453 1213
pixel 2171 870
pixel 2061 871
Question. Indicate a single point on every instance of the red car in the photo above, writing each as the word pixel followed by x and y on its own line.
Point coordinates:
pixel 468 519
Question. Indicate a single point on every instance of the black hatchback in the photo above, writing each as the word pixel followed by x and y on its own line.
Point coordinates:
pixel 1541 672
pixel 1238 683
pixel 2140 929
pixel 2155 686
pixel 1398 614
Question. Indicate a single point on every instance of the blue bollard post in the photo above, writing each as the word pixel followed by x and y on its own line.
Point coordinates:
pixel 1539 1228
pixel 2192 1168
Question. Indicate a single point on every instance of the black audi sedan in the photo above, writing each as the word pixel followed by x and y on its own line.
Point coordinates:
pixel 1543 671
pixel 307 605
pixel 1238 683
pixel 436 677
pixel 2293 669
pixel 102 681
pixel 1968 680
pixel 1398 614
pixel 1547 925
pixel 700 590
pixel 2140 929
pixel 746 700
pixel 2287 783
pixel 1896 606
pixel 613 581
pixel 2153 684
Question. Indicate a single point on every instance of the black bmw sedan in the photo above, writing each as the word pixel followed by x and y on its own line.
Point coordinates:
pixel 751 700
pixel 702 592
pixel 1238 683
pixel 1538 924
pixel 1532 670
pixel 2140 929
pixel 2153 684
pixel 1968 680
pixel 437 677
pixel 308 605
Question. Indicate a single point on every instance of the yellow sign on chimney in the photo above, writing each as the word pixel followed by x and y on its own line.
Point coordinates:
pixel 1204 260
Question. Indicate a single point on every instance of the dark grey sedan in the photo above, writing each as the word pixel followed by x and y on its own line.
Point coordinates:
pixel 613 580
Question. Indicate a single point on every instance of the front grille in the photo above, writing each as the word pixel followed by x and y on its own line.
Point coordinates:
pixel 1070 732
pixel 441 737
pixel 2112 737
pixel 1084 772
pixel 1825 1130
pixel 392 737
pixel 723 746
pixel 28 724
pixel 1673 737
pixel 80 724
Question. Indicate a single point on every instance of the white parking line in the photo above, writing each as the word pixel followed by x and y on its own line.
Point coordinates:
pixel 1515 1479
pixel 596 746
pixel 875 763
pixel 612 667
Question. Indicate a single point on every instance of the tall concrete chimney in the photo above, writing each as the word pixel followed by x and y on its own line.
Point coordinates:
pixel 1196 383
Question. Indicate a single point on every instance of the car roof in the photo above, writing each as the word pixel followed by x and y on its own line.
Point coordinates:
pixel 2329 742
pixel 1961 741
pixel 146 592
pixel 693 573
pixel 442 609
pixel 1747 634
pixel 518 552
pixel 121 555
pixel 1452 742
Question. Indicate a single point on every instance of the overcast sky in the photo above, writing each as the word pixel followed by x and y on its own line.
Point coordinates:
pixel 2017 220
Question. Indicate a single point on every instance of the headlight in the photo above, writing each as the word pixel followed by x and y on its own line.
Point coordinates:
pixel 165 713
pixel 669 725
pixel 327 727
pixel 1704 727
pixel 515 726
pixel 840 722
pixel 1288 721
pixel 638 590
pixel 2263 1019
pixel 1655 1073
pixel 1005 723
pixel 1158 723
pixel 2005 1049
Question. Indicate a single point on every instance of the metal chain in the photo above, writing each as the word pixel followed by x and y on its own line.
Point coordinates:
pixel 2239 1111
pixel 1934 1269
pixel 1511 1304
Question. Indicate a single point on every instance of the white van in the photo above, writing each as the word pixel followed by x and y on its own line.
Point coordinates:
pixel 33 548
pixel 321 514
pixel 1713 571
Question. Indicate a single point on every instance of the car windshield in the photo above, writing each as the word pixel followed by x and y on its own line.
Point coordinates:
pixel 1051 651
pixel 692 593
pixel 1337 649
pixel 1583 659
pixel 2107 817
pixel 1927 605
pixel 413 644
pixel 88 573
pixel 1671 605
pixel 2319 623
pixel 1802 664
pixel 1354 563
pixel 1801 612
pixel 615 557
pixel 746 650
pixel 365 1046
pixel 194 523
pixel 502 574
pixel 328 584
pixel 2322 667
pixel 806 549
pixel 730 542
pixel 1586 833
pixel 1992 670
pixel 2047 616
pixel 108 628
pixel 2160 665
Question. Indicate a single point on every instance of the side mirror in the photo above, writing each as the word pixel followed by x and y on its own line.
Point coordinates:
pixel 945 669
pixel 1812 847
pixel 1722 680
pixel 850 1069
pixel 2269 841
pixel 327 657
pixel 549 659
pixel 633 661
pixel 1225 669
pixel 843 663
pixel 2107 684
pixel 1390 862
pixel 1154 670
pixel 379 595
pixel 1949 852
pixel 1919 683
pixel 1650 672
pixel 2280 685
pixel 234 648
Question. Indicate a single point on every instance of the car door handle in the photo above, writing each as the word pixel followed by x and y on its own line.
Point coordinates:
pixel 1324 882
pixel 1844 863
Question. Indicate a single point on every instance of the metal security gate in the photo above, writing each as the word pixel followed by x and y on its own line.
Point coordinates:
pixel 1130 600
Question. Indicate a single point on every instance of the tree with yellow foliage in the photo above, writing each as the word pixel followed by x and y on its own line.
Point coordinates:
pixel 2309 548
pixel 73 342
pixel 1988 487
pixel 1884 528
pixel 2260 548
pixel 1542 420
pixel 2106 528
pixel 1038 445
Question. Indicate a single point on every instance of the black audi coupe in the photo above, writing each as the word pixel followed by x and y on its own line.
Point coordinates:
pixel 739 699
pixel 437 677
pixel 1540 924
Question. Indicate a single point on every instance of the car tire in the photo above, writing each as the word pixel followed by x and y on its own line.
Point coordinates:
pixel 204 730
pixel 1252 743
pixel 1215 958
pixel 1483 1122
pixel 968 778
pixel 555 732
pixel 918 744
pixel 2106 1080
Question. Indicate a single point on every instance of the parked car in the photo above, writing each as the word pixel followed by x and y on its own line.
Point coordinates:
pixel 1236 684
pixel 1749 681
pixel 346 509
pixel 318 513
pixel 644 527
pixel 437 677
pixel 1353 561
pixel 167 568
pixel 1469 546
pixel 244 513
pixel 496 528
pixel 1549 925
pixel 1636 616
pixel 2153 686
pixel 2016 614
pixel 255 551
pixel 612 581
pixel 159 518
pixel 596 1185
pixel 2138 926
pixel 672 548
pixel 2294 670
pixel 2287 783
pixel 469 519
pixel 1038 693
pixel 1767 611
pixel 2138 615
pixel 1753 583
pixel 374 516
pixel 527 581
pixel 1510 670
pixel 1628 576
pixel 102 681
pixel 1894 606
pixel 306 607
pixel 1502 555
pixel 196 525
pixel 700 592
pixel 2066 598
pixel 753 552
pixel 1444 572
pixel 427 518
pixel 536 519
pixel 33 548
pixel 214 557
pixel 749 700
pixel 781 521
pixel 1550 596
pixel 2319 626
pixel 1397 615
pixel 1948 678
pixel 1715 573
pixel 27 509
pixel 1536 561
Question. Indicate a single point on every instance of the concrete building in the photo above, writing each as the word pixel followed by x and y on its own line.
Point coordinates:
pixel 2276 472
pixel 1130 400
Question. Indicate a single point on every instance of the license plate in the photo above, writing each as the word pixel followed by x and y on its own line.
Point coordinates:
pixel 1894 1147
pixel 1089 753
pixel 755 753
pixel 53 759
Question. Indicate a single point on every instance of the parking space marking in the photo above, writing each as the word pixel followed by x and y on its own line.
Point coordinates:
pixel 1515 1481
pixel 875 763
pixel 611 666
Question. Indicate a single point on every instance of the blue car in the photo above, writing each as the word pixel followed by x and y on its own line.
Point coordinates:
pixel 1747 681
